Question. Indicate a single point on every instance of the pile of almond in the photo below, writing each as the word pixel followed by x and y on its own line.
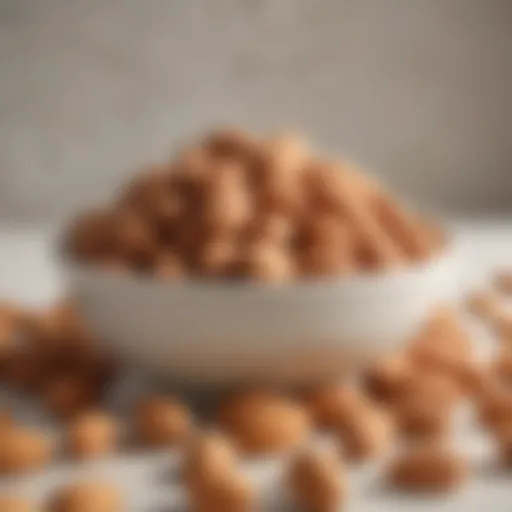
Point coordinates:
pixel 235 206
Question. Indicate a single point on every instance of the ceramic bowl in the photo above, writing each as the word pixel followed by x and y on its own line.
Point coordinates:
pixel 206 333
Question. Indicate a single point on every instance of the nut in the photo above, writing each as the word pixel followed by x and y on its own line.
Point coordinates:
pixel 227 205
pixel 6 420
pixel 134 237
pixel 503 366
pixel 503 282
pixel 206 457
pixel 90 235
pixel 365 434
pixel 23 450
pixel 228 492
pixel 162 421
pixel 88 497
pixel 425 407
pixel 268 263
pixel 25 368
pixel 69 394
pixel 325 246
pixel 428 467
pixel 485 305
pixel 91 435
pixel 167 266
pixel 503 435
pixel 232 143
pixel 327 404
pixel 279 185
pixel 403 228
pixel 502 324
pixel 495 406
pixel 255 194
pixel 442 359
pixel 218 257
pixel 14 504
pixel 388 378
pixel 317 482
pixel 261 422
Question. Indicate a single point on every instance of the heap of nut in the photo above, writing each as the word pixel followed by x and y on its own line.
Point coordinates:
pixel 402 410
pixel 236 207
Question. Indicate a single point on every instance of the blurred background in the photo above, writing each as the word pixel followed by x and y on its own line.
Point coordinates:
pixel 418 90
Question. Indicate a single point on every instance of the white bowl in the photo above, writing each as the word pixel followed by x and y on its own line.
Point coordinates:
pixel 216 334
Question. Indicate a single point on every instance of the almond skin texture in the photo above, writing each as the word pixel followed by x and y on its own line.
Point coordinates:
pixel 6 420
pixel 428 467
pixel 227 492
pixel 495 407
pixel 485 305
pixel 15 504
pixel 162 421
pixel 388 378
pixel 317 482
pixel 23 450
pixel 503 282
pixel 261 422
pixel 330 402
pixel 366 434
pixel 91 435
pixel 425 406
pixel 503 435
pixel 68 395
pixel 206 457
pixel 88 497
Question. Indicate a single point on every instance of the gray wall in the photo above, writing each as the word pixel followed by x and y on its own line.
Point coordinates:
pixel 417 89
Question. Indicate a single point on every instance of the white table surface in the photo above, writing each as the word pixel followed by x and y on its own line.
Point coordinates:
pixel 29 273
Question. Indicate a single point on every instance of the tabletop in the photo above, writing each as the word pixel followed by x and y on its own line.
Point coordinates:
pixel 29 273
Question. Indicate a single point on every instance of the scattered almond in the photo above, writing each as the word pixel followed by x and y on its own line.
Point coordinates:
pixel 92 434
pixel 365 434
pixel 23 450
pixel 261 422
pixel 317 481
pixel 15 504
pixel 207 456
pixel 428 467
pixel 88 497
pixel 162 421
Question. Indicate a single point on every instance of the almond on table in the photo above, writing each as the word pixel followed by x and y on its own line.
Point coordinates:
pixel 503 435
pixel 87 497
pixel 11 503
pixel 261 422
pixel 426 405
pixel 366 434
pixel 227 492
pixel 92 434
pixel 503 365
pixel 431 467
pixel 328 403
pixel 485 304
pixel 387 379
pixel 503 281
pixel 68 395
pixel 495 406
pixel 206 456
pixel 23 450
pixel 162 421
pixel 316 481
pixel 6 419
